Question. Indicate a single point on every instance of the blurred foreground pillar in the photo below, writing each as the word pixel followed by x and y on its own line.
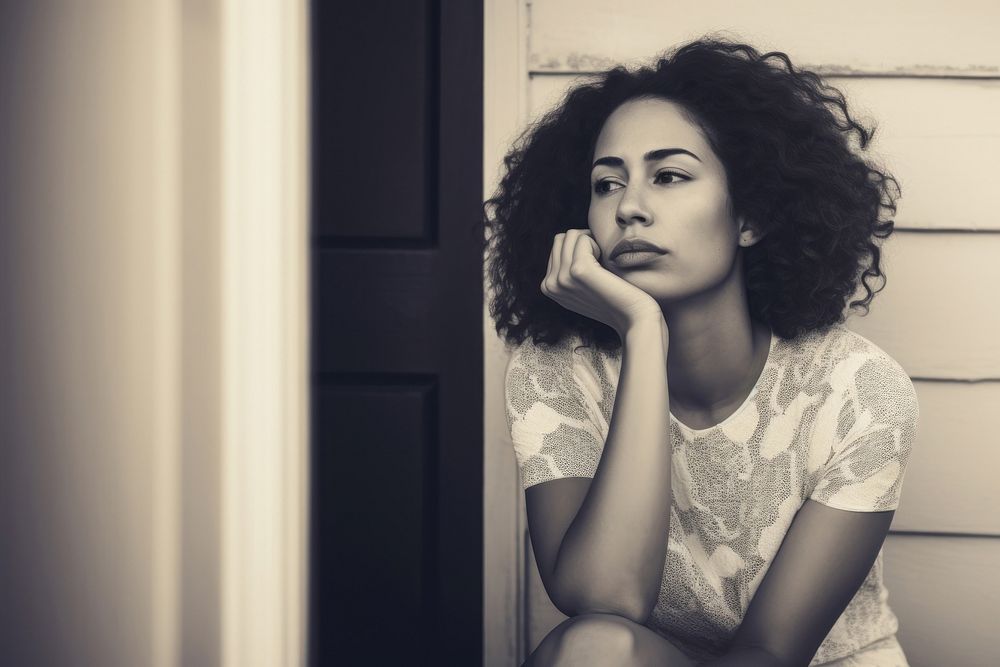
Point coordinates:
pixel 152 374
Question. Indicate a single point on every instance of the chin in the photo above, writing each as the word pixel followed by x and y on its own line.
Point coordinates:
pixel 653 285
pixel 665 288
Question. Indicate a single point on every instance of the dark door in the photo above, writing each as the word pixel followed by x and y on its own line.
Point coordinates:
pixel 397 307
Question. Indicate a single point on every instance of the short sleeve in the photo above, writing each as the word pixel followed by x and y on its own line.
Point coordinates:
pixel 550 416
pixel 865 471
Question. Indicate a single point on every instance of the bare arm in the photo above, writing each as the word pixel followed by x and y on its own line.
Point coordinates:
pixel 823 560
pixel 611 556
pixel 601 543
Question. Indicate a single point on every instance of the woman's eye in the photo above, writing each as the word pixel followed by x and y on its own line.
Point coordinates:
pixel 669 177
pixel 604 187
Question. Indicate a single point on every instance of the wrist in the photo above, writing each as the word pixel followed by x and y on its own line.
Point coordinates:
pixel 644 328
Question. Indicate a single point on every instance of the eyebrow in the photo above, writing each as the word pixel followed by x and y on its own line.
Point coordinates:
pixel 651 156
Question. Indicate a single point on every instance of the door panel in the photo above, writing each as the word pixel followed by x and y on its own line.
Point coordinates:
pixel 396 327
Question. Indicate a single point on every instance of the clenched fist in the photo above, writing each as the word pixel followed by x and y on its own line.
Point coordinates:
pixel 576 281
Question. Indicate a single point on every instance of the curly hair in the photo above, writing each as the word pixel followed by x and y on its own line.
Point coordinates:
pixel 793 159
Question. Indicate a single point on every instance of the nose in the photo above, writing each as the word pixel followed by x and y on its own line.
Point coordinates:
pixel 631 208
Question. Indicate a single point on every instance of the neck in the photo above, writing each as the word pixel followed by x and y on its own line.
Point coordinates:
pixel 717 351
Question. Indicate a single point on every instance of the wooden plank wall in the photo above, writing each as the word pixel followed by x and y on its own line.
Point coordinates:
pixel 929 74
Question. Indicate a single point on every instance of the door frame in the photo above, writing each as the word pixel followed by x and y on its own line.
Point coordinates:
pixel 265 346
pixel 505 110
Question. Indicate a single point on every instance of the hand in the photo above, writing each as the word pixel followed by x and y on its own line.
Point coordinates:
pixel 576 281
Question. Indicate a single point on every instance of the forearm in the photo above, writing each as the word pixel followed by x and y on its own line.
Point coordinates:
pixel 611 557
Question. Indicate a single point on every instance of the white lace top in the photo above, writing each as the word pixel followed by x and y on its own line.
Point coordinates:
pixel 832 417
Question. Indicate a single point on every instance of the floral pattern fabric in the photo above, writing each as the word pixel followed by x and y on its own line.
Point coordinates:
pixel 832 417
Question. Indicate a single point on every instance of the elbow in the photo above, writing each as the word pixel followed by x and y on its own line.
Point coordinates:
pixel 576 592
pixel 636 608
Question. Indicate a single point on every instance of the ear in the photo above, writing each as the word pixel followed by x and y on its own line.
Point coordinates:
pixel 748 234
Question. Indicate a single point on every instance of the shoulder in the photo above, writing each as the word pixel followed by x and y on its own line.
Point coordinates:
pixel 871 370
pixel 870 379
pixel 568 357
pixel 851 373
pixel 545 359
pixel 844 356
pixel 553 373
pixel 539 370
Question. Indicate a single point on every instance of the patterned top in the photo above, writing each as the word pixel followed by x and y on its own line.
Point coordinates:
pixel 832 417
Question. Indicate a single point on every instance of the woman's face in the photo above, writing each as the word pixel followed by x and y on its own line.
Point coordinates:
pixel 656 178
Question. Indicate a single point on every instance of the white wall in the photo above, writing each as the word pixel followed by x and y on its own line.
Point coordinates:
pixel 929 73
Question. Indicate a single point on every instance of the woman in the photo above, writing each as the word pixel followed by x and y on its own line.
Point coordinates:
pixel 711 460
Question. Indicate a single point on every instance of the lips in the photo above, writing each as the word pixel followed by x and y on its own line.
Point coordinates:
pixel 635 245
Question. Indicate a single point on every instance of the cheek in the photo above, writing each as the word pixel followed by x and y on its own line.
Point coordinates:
pixel 600 229
pixel 596 213
pixel 713 238
pixel 718 222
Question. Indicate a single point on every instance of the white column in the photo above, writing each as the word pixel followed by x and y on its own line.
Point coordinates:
pixel 265 378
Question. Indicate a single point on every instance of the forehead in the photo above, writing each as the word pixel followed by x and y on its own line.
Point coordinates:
pixel 639 125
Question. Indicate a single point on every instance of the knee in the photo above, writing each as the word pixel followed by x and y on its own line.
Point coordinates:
pixel 587 639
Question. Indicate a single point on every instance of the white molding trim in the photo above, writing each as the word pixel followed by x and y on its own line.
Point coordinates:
pixel 505 109
pixel 265 333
